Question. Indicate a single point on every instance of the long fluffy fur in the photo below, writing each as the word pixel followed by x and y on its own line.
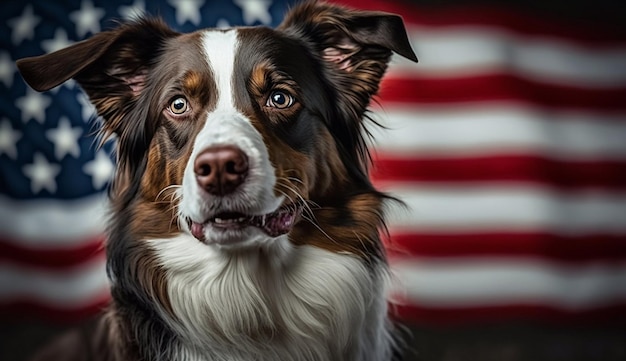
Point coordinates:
pixel 314 305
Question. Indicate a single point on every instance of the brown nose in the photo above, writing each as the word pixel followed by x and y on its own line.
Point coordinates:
pixel 220 170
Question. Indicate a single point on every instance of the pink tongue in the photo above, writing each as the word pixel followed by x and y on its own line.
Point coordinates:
pixel 197 230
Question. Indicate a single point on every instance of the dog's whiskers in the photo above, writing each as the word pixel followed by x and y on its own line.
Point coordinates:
pixel 306 204
pixel 308 213
pixel 172 190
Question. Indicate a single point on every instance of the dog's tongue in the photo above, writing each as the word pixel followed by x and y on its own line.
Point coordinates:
pixel 197 230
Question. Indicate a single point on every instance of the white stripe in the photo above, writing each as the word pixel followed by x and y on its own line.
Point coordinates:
pixel 492 282
pixel 219 48
pixel 462 50
pixel 66 289
pixel 475 208
pixel 48 222
pixel 476 129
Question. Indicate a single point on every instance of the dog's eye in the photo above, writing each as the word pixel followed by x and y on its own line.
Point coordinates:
pixel 179 105
pixel 280 99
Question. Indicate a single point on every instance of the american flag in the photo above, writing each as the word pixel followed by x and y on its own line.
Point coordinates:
pixel 507 142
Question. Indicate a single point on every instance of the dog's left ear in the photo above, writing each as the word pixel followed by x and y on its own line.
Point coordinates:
pixel 111 67
pixel 356 45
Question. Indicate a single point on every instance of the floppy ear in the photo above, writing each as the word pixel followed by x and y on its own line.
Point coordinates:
pixel 354 48
pixel 355 44
pixel 111 67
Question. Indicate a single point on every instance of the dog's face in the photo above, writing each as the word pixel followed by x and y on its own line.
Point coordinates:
pixel 239 136
pixel 233 135
pixel 256 151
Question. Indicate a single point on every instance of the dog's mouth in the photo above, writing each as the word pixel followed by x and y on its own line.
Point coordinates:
pixel 273 224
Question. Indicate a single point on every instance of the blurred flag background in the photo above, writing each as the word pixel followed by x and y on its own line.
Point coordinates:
pixel 507 142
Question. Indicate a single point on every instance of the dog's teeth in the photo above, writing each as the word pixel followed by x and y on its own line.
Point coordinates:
pixel 229 220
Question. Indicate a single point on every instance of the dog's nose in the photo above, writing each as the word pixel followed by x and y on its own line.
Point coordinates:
pixel 220 170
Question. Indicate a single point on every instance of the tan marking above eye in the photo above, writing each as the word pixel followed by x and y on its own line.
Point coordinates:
pixel 179 105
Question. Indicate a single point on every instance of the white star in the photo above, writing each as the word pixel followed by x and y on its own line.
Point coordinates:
pixel 187 10
pixel 100 169
pixel 7 69
pixel 133 11
pixel 255 10
pixel 65 139
pixel 8 139
pixel 60 41
pixel 24 25
pixel 222 24
pixel 33 106
pixel 87 110
pixel 42 174
pixel 87 18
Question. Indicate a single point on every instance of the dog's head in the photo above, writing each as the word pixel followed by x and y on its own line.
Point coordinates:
pixel 239 136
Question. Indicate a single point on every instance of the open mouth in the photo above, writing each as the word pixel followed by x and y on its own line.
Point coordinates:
pixel 274 224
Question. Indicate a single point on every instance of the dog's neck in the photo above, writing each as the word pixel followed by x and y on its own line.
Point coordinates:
pixel 275 302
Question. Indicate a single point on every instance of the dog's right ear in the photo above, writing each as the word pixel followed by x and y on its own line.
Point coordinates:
pixel 111 66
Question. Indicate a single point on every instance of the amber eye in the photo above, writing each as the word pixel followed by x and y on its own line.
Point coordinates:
pixel 179 105
pixel 280 99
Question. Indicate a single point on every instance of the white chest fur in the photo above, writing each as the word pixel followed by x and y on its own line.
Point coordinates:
pixel 276 303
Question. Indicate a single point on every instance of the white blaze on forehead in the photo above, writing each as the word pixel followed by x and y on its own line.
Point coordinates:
pixel 219 48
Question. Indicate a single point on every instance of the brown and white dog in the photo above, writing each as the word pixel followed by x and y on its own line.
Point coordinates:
pixel 243 223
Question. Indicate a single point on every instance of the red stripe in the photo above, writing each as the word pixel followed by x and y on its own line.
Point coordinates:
pixel 499 87
pixel 601 30
pixel 602 174
pixel 562 248
pixel 453 316
pixel 37 310
pixel 52 257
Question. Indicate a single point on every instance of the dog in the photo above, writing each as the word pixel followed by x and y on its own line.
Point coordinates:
pixel 243 223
